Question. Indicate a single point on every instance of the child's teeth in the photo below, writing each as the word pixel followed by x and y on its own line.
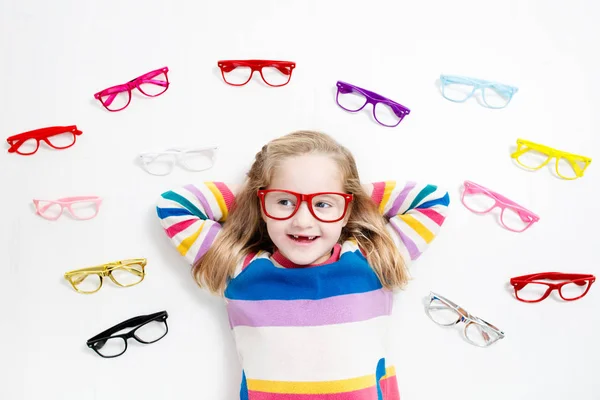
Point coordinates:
pixel 295 236
pixel 311 237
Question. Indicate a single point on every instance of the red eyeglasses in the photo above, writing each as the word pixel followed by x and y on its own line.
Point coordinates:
pixel 239 72
pixel 324 206
pixel 532 288
pixel 58 137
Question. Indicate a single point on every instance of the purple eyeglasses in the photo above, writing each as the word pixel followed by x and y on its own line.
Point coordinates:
pixel 353 98
pixel 151 84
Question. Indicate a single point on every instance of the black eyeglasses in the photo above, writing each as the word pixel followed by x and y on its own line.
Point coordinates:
pixel 147 329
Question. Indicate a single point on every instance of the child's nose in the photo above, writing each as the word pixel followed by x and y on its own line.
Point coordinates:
pixel 303 218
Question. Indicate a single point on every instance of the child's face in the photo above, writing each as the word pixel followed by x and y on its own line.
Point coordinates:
pixel 306 174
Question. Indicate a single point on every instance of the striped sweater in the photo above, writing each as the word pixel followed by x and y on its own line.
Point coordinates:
pixel 315 333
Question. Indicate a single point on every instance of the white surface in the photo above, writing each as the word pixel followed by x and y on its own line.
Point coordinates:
pixel 55 55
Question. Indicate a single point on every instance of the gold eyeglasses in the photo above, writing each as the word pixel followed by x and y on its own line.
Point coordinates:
pixel 123 273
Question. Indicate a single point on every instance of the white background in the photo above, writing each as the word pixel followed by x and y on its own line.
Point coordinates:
pixel 54 55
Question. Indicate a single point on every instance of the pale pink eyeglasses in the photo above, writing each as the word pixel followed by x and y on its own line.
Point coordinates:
pixel 81 208
pixel 151 84
pixel 481 200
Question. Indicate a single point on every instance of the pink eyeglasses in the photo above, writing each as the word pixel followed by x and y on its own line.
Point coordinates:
pixel 151 84
pixel 81 208
pixel 481 200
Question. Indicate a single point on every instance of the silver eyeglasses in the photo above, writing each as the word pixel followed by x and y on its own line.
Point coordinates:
pixel 477 331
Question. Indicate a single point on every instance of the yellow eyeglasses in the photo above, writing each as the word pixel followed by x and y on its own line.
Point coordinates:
pixel 534 156
pixel 123 273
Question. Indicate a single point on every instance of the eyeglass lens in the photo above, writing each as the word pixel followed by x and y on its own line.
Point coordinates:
pixel 272 75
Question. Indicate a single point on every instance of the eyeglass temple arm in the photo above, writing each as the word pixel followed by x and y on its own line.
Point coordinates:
pixel 523 146
pixel 400 110
pixel 127 268
pixel 449 304
pixel 524 214
pixel 15 145
pixel 95 269
pixel 520 282
pixel 552 275
pixel 227 67
pixel 100 339
pixel 155 82
pixel 575 166
pixel 462 79
pixel 474 81
pixel 148 78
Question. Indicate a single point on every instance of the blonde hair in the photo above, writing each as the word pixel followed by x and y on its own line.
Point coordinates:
pixel 245 231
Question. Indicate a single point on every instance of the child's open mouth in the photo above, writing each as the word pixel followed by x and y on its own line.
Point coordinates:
pixel 303 239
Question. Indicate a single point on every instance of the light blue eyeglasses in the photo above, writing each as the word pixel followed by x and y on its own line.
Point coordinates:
pixel 460 88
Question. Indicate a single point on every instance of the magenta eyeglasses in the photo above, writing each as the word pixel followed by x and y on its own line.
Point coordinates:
pixel 151 84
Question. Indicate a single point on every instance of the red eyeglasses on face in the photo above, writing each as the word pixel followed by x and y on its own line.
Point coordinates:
pixel 58 137
pixel 239 72
pixel 532 288
pixel 324 206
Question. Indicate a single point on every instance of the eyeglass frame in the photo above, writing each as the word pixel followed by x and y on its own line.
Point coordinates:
pixel 478 84
pixel 519 282
pixel 551 153
pixel 501 202
pixel 300 198
pixel 179 153
pixel 464 316
pixel 256 65
pixel 136 322
pixel 133 84
pixel 374 99
pixel 103 270
pixel 41 134
pixel 66 202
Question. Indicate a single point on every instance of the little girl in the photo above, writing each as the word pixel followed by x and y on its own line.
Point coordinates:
pixel 306 258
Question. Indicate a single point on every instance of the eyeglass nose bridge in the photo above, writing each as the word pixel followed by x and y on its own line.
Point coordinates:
pixel 306 201
pixel 131 84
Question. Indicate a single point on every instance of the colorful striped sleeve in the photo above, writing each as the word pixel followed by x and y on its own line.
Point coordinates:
pixel 192 215
pixel 415 212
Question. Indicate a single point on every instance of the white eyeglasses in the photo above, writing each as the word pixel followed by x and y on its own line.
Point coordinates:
pixel 193 159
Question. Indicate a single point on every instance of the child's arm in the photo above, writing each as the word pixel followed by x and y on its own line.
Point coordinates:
pixel 192 215
pixel 415 212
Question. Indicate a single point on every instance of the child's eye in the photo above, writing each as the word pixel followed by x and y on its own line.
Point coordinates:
pixel 322 204
pixel 286 203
